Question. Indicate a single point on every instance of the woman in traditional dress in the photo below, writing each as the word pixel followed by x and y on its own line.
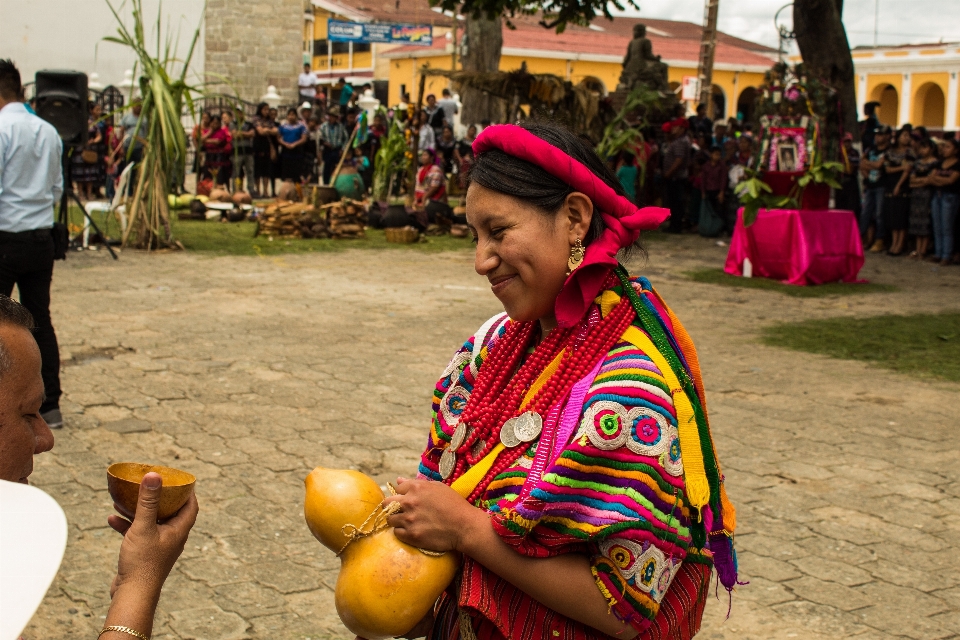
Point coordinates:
pixel 88 168
pixel 217 143
pixel 569 460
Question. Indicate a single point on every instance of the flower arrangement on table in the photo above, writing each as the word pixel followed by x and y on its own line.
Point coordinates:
pixel 797 112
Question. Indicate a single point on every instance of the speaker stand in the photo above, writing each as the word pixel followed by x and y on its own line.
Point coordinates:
pixel 66 196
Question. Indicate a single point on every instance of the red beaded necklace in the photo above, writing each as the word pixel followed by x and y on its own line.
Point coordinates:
pixel 501 386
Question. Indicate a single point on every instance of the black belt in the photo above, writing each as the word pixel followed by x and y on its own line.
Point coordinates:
pixel 24 236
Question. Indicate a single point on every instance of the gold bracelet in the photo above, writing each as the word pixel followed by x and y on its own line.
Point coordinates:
pixel 127 630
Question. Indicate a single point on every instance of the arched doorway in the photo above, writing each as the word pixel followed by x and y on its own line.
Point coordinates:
pixel 719 103
pixel 746 104
pixel 928 106
pixel 889 99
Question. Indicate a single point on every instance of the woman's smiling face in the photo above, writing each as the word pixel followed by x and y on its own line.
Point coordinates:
pixel 523 251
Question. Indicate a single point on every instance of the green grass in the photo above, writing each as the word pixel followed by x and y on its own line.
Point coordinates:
pixel 717 276
pixel 236 238
pixel 925 345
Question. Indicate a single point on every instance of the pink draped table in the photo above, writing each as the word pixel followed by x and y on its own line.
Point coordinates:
pixel 798 247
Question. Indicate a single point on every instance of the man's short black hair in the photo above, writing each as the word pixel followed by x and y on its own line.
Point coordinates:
pixel 10 87
pixel 12 313
pixel 446 92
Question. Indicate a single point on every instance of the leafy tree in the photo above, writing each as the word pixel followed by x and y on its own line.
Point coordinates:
pixel 825 50
pixel 484 35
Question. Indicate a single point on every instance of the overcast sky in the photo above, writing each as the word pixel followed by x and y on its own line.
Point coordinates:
pixel 901 21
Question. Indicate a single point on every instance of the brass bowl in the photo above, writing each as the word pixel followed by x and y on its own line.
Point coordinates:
pixel 123 483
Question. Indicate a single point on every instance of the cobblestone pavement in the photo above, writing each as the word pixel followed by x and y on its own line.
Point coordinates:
pixel 249 372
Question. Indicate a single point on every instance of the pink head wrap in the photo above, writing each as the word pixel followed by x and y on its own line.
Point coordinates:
pixel 624 221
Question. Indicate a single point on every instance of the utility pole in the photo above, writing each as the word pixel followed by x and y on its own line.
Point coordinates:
pixel 708 48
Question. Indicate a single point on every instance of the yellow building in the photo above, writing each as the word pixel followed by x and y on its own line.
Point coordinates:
pixel 913 83
pixel 595 52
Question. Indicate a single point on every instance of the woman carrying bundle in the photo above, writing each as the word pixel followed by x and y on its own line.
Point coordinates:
pixel 569 460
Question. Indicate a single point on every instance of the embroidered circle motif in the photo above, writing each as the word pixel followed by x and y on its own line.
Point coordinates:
pixel 646 431
pixel 608 424
pixel 649 569
pixel 621 555
pixel 453 404
pixel 671 459
pixel 664 581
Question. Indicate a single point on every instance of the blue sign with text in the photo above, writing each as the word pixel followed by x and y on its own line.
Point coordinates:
pixel 386 33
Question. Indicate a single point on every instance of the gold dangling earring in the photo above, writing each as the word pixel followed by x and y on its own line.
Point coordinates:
pixel 576 256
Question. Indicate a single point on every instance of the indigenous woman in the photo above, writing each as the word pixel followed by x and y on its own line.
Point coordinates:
pixel 570 459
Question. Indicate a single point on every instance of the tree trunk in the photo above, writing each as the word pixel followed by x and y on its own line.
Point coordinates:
pixel 484 40
pixel 826 52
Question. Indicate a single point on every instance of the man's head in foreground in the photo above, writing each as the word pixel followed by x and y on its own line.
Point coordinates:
pixel 23 433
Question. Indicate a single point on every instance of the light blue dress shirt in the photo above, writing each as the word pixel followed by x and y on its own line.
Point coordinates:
pixel 31 178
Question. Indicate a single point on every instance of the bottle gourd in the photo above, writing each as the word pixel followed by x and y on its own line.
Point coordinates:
pixel 385 586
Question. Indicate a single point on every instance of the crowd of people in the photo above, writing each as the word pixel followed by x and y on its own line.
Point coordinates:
pixel 910 190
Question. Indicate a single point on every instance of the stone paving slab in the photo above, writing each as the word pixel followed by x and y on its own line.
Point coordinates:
pixel 249 372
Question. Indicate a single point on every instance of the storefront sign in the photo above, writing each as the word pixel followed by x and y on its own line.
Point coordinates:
pixel 416 34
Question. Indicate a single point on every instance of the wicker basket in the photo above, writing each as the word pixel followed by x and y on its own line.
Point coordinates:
pixel 402 235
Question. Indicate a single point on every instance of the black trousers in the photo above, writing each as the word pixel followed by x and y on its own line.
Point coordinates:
pixel 675 199
pixel 26 259
pixel 330 159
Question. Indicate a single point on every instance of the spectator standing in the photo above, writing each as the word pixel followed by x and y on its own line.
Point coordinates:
pixel 243 140
pixel 449 107
pixel 427 136
pixel 306 112
pixel 293 137
pixel 307 83
pixel 700 123
pixel 896 189
pixel 229 123
pixel 31 182
pixel 311 150
pixel 217 149
pixel 446 146
pixel 134 137
pixel 869 125
pixel 713 180
pixel 946 200
pixel 87 165
pixel 199 131
pixel 921 195
pixel 676 171
pixel 719 134
pixel 333 136
pixel 435 115
pixel 872 169
pixel 848 196
pixel 264 149
pixel 627 174
pixel 346 94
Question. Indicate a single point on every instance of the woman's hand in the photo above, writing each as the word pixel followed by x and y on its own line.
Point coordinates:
pixel 433 516
pixel 150 549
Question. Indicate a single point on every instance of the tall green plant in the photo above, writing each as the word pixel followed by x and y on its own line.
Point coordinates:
pixel 390 160
pixel 165 146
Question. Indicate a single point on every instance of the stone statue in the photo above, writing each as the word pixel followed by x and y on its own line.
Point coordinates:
pixel 640 66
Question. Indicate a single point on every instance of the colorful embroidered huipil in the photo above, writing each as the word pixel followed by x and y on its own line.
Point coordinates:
pixel 608 482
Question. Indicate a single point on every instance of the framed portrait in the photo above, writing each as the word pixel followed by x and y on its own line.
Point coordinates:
pixel 787 156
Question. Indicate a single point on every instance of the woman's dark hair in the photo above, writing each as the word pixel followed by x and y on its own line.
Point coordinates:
pixel 526 181
pixel 928 143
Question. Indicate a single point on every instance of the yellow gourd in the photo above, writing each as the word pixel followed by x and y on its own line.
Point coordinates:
pixel 385 587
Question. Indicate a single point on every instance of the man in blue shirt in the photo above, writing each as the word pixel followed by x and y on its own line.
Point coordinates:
pixel 31 181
